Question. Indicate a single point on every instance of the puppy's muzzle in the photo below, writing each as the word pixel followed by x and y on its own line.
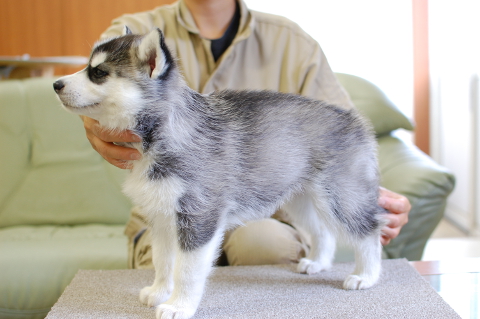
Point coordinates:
pixel 58 86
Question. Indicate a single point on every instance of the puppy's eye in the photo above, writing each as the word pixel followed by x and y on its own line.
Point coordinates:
pixel 97 73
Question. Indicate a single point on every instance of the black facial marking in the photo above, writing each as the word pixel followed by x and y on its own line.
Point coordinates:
pixel 118 48
pixel 118 54
pixel 97 74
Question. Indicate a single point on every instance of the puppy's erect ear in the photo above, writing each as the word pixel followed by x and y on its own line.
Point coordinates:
pixel 152 50
pixel 126 30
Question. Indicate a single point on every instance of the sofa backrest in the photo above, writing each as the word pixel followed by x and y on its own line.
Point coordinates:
pixel 49 173
pixel 374 104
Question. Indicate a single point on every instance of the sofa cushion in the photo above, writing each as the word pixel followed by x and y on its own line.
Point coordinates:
pixel 50 177
pixel 37 263
pixel 374 104
pixel 14 138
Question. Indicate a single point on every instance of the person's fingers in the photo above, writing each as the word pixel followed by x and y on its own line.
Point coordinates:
pixel 390 233
pixel 115 136
pixel 395 220
pixel 114 154
pixel 385 240
pixel 121 164
pixel 93 127
pixel 392 229
pixel 394 202
pixel 396 205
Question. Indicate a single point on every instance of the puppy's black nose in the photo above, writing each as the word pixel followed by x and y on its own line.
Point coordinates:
pixel 58 86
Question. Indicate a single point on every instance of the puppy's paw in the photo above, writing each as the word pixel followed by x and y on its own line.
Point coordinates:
pixel 307 266
pixel 152 297
pixel 165 311
pixel 356 282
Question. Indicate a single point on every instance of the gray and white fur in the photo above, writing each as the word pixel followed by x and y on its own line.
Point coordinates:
pixel 212 162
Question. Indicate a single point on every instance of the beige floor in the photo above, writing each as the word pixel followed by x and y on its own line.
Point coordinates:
pixel 449 242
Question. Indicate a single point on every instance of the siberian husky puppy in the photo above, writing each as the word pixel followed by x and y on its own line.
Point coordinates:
pixel 212 162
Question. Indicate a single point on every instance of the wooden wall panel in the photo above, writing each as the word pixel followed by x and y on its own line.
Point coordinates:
pixel 60 27
pixel 26 24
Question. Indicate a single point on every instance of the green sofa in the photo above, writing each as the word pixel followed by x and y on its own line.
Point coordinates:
pixel 62 209
pixel 61 206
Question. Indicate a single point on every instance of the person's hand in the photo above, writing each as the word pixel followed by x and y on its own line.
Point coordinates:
pixel 103 142
pixel 398 207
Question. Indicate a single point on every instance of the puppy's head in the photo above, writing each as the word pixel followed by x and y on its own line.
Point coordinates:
pixel 116 83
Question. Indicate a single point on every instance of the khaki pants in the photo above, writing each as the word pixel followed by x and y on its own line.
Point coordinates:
pixel 263 242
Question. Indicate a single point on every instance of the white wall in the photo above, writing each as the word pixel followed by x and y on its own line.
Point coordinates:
pixel 368 38
pixel 455 66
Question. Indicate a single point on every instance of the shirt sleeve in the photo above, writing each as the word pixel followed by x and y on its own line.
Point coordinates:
pixel 320 82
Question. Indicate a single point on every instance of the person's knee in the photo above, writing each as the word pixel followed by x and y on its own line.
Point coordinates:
pixel 264 242
pixel 139 241
pixel 143 251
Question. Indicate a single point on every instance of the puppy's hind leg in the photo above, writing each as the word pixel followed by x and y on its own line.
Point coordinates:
pixel 323 243
pixel 163 257
pixel 368 252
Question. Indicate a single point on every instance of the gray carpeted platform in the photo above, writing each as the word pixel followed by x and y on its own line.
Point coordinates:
pixel 261 292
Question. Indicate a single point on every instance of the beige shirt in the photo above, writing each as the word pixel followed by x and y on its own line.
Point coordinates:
pixel 269 52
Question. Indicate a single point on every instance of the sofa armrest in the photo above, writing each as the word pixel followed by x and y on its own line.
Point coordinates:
pixel 408 171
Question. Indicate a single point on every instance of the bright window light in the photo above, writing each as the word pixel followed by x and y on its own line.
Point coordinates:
pixel 369 38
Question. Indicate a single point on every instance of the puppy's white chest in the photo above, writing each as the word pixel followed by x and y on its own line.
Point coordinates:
pixel 153 195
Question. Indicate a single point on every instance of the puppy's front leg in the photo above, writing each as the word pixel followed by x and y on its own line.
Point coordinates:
pixel 163 258
pixel 191 271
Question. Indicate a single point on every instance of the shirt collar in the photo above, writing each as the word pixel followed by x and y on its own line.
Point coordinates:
pixel 185 19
